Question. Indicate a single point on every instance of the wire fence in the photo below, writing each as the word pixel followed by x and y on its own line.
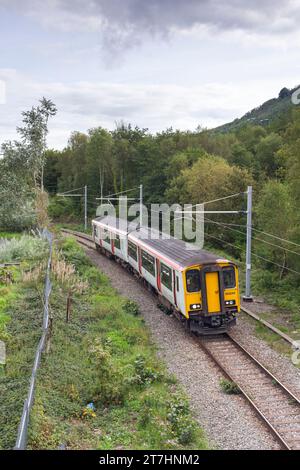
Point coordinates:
pixel 21 440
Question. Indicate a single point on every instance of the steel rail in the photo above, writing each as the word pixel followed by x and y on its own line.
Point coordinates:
pixel 257 363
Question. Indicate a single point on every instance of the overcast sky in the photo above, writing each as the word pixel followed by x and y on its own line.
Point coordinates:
pixel 154 63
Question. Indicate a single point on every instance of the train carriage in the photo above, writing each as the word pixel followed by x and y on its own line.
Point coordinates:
pixel 198 286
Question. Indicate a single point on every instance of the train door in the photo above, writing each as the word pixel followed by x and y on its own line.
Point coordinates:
pixel 140 259
pixel 213 291
pixel 175 286
pixel 158 279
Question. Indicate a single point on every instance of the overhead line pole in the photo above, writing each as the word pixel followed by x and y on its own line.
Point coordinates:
pixel 248 297
pixel 85 207
pixel 141 205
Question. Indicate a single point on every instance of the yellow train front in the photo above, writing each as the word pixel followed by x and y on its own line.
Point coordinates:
pixel 212 298
pixel 200 288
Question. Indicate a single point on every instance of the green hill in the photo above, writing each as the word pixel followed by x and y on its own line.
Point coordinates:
pixel 264 114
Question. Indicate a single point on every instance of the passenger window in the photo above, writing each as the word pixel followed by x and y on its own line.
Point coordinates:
pixel 106 236
pixel 148 262
pixel 166 276
pixel 229 277
pixel 193 283
pixel 132 250
pixel 117 242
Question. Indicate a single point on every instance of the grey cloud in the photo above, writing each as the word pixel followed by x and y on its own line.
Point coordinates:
pixel 124 22
pixel 159 16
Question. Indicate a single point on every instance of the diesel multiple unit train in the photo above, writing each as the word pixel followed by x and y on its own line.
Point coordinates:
pixel 197 286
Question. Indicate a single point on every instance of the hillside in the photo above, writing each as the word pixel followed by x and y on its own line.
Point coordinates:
pixel 264 114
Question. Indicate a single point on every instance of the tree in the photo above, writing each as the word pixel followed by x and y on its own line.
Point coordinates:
pixel 101 167
pixel 267 155
pixel 23 166
pixel 33 137
pixel 275 215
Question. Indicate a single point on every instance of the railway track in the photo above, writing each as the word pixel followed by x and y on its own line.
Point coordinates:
pixel 276 406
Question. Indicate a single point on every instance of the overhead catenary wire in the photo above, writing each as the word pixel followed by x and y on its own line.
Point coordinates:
pixel 275 236
pixel 220 199
pixel 121 192
pixel 254 254
pixel 254 239
pixel 70 191
pixel 276 264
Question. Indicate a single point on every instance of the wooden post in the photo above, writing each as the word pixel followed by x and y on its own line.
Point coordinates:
pixel 69 304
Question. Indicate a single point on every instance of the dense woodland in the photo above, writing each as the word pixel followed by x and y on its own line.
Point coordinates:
pixel 179 167
pixel 192 167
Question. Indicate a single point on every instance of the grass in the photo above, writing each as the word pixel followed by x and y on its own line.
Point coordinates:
pixel 22 248
pixel 20 328
pixel 102 385
pixel 76 226
pixel 9 235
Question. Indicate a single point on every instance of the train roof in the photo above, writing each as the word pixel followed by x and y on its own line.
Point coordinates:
pixel 181 253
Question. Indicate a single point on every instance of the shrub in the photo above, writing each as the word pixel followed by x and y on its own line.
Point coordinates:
pixel 181 421
pixel 144 375
pixel 229 387
pixel 25 248
pixel 131 308
pixel 60 208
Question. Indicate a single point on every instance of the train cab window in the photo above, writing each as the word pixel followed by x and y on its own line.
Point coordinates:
pixel 166 276
pixel 177 283
pixel 193 283
pixel 95 231
pixel 148 262
pixel 229 277
pixel 132 250
pixel 117 242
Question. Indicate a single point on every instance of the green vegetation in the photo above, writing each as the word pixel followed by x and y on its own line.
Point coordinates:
pixel 186 167
pixel 101 385
pixel 192 167
pixel 23 201
pixel 229 387
pixel 269 111
pixel 20 328
pixel 22 248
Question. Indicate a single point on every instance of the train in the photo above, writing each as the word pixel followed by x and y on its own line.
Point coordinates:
pixel 197 286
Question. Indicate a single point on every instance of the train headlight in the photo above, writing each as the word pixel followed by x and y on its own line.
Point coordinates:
pixel 229 302
pixel 195 306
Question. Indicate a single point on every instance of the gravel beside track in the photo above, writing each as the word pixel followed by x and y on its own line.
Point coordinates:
pixel 228 420
pixel 280 365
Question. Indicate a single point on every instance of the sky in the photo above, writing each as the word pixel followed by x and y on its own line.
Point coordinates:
pixel 153 63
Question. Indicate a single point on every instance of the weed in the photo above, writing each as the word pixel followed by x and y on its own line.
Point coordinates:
pixel 229 387
pixel 182 424
pixel 131 308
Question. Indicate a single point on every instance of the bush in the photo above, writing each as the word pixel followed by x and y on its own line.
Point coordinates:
pixel 131 308
pixel 144 375
pixel 181 421
pixel 60 208
pixel 23 248
pixel 74 254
